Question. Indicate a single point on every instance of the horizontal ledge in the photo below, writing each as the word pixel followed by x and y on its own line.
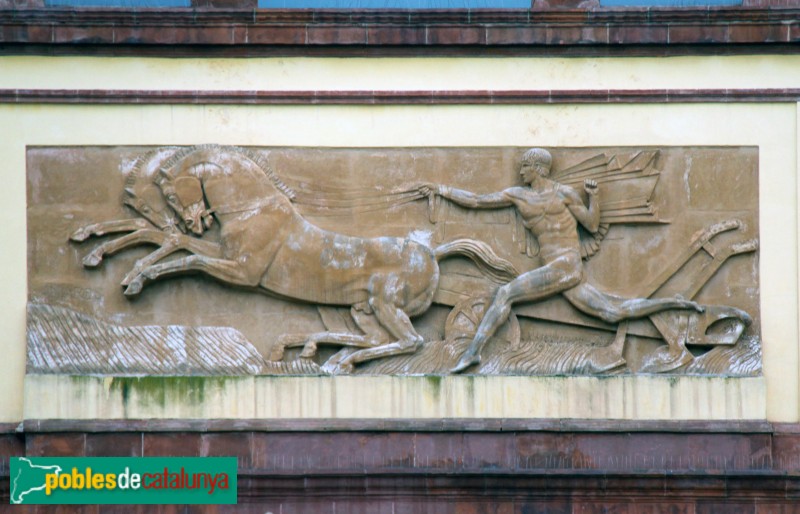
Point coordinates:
pixel 184 49
pixel 400 425
pixel 198 16
pixel 246 29
pixel 621 96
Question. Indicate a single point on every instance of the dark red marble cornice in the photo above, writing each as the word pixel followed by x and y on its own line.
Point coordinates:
pixel 95 96
pixel 409 17
pixel 457 465
pixel 385 29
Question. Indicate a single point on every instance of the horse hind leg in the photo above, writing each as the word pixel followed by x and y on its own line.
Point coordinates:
pixel 365 320
pixel 346 339
pixel 385 303
pixel 339 333
pixel 310 342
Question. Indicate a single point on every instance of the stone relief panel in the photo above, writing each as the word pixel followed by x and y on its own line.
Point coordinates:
pixel 220 260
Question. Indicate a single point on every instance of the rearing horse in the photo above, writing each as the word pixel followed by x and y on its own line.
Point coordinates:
pixel 266 244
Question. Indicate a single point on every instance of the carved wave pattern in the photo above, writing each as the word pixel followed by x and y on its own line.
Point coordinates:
pixel 554 355
pixel 549 355
pixel 435 357
pixel 742 359
pixel 544 356
pixel 296 367
pixel 63 341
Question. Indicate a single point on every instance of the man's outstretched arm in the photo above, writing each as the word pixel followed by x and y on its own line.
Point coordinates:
pixel 469 199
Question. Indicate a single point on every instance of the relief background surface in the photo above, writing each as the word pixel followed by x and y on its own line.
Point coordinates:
pixel 69 188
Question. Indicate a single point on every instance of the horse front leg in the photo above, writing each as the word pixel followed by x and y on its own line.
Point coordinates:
pixel 109 227
pixel 174 243
pixel 137 238
pixel 230 272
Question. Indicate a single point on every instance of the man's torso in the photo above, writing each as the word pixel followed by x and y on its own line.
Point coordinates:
pixel 546 214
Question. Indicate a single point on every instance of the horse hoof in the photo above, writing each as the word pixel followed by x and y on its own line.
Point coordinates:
pixel 92 260
pixel 80 235
pixel 130 276
pixel 309 351
pixel 133 289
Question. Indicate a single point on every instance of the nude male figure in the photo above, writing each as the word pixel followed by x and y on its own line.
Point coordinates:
pixel 551 211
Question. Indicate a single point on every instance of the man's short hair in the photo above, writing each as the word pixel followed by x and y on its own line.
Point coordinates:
pixel 537 155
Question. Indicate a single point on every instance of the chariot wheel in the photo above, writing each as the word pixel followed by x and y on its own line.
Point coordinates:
pixel 466 315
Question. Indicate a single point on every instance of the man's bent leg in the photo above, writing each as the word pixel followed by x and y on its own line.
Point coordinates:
pixel 534 285
pixel 494 317
pixel 613 309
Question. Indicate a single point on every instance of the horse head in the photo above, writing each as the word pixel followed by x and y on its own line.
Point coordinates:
pixel 235 178
pixel 184 194
pixel 143 196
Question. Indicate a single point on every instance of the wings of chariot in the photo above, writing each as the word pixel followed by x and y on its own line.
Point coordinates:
pixel 628 182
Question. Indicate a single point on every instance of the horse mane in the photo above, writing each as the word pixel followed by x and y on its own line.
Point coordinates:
pixel 132 178
pixel 135 175
pixel 136 180
pixel 252 156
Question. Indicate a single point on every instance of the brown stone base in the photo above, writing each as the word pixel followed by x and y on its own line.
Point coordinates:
pixel 513 466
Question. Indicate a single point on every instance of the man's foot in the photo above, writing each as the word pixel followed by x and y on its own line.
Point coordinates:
pixel 688 304
pixel 466 361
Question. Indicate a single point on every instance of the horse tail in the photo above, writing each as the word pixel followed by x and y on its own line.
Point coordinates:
pixel 492 265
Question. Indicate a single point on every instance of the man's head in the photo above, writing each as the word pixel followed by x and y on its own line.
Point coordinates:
pixel 536 160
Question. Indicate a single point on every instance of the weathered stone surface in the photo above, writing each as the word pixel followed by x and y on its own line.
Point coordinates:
pixel 450 400
pixel 64 341
pixel 353 252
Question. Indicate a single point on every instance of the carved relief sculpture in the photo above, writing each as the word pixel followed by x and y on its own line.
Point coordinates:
pixel 391 264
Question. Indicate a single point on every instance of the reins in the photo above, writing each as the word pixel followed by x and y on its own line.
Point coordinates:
pixel 244 207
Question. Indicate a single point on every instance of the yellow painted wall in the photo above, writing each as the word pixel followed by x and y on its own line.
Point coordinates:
pixel 310 74
pixel 771 127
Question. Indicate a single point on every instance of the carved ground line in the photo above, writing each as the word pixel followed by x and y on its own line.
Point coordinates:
pixel 401 425
pixel 613 96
